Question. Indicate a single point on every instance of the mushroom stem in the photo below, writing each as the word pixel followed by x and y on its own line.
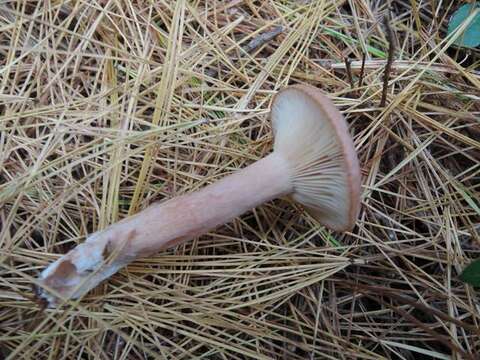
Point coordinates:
pixel 164 225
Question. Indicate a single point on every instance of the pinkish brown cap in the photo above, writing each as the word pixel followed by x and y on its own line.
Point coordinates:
pixel 312 135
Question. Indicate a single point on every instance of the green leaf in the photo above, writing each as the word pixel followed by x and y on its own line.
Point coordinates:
pixel 471 36
pixel 471 274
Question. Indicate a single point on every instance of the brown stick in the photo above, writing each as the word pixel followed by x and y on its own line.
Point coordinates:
pixel 362 70
pixel 439 337
pixel 388 66
pixel 263 38
pixel 349 72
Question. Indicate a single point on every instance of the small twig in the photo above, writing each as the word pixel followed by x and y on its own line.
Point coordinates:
pixel 349 72
pixel 263 39
pixel 406 315
pixel 362 70
pixel 388 66
pixel 406 299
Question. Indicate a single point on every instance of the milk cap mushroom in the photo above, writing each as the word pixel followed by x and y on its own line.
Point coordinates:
pixel 313 162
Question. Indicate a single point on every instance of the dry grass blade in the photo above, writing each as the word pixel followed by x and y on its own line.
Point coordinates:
pixel 107 106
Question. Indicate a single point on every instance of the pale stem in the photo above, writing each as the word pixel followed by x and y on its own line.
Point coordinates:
pixel 164 225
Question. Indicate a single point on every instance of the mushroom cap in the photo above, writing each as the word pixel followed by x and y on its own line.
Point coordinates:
pixel 312 136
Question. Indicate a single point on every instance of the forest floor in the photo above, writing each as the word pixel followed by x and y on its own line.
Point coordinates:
pixel 109 105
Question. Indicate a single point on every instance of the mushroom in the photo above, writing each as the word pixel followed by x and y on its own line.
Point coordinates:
pixel 314 162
